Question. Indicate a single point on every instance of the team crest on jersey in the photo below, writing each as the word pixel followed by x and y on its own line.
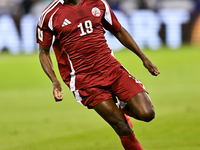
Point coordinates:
pixel 96 12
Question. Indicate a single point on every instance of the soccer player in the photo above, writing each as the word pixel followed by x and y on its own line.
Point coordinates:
pixel 88 67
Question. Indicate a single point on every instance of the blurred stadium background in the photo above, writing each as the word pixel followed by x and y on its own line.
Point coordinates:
pixel 169 33
pixel 152 23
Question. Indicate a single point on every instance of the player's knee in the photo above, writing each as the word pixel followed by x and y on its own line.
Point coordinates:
pixel 147 116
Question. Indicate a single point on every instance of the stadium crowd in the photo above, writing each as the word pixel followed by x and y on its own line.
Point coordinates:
pixel 15 10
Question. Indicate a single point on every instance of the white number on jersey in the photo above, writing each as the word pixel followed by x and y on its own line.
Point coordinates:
pixel 88 26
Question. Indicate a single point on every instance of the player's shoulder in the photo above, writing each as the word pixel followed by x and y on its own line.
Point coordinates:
pixel 50 10
pixel 54 5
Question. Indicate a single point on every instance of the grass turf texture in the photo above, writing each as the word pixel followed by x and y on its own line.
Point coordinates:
pixel 31 120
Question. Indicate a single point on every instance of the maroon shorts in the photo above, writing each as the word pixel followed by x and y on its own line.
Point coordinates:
pixel 124 87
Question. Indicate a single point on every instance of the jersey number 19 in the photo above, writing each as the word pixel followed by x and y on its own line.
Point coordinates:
pixel 87 25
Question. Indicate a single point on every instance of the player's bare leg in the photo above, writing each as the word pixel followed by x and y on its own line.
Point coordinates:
pixel 110 113
pixel 114 116
pixel 140 107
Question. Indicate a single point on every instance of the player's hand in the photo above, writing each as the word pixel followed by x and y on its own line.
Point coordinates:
pixel 57 91
pixel 151 67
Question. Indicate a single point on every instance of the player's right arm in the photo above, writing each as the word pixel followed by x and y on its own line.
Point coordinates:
pixel 46 62
pixel 44 36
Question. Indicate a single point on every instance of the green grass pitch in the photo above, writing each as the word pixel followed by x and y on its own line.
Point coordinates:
pixel 31 120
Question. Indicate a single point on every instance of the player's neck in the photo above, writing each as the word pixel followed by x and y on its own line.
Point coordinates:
pixel 73 2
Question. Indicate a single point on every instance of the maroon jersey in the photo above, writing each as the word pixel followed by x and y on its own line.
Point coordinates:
pixel 84 58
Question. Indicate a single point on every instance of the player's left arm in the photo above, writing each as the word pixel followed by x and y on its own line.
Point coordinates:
pixel 125 38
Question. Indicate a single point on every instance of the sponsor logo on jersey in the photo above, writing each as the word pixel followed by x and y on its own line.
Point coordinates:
pixel 96 12
pixel 66 22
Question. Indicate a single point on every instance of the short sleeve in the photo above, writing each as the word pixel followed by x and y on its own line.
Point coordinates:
pixel 44 36
pixel 110 21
